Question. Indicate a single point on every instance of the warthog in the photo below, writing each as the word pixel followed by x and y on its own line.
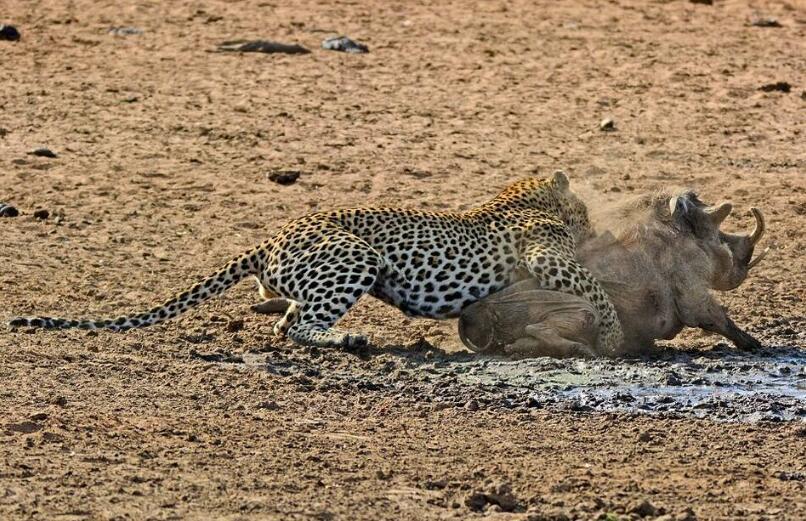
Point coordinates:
pixel 658 272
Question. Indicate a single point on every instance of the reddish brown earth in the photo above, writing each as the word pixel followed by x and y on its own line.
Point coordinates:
pixel 163 150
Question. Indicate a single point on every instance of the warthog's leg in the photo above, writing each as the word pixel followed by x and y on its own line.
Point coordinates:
pixel 703 311
pixel 562 273
pixel 545 340
pixel 272 306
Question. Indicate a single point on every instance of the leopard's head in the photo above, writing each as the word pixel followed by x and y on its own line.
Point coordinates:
pixel 570 207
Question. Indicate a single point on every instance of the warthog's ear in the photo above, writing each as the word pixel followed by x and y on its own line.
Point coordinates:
pixel 719 213
pixel 560 180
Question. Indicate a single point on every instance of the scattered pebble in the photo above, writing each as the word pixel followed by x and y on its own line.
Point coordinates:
pixel 765 22
pixel 43 152
pixel 778 86
pixel 125 31
pixel 6 210
pixel 344 44
pixel 607 125
pixel 9 32
pixel 40 416
pixel 284 177
pixel 41 214
pixel 261 46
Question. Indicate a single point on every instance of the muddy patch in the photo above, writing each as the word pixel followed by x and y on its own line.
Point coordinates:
pixel 722 384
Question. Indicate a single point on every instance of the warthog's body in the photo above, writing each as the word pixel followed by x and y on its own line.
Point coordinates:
pixel 658 272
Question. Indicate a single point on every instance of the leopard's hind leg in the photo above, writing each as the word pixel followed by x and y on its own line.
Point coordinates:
pixel 323 283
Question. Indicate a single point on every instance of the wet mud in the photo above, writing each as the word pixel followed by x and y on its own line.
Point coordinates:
pixel 721 384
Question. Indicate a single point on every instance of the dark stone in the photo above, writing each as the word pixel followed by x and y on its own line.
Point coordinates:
pixel 6 210
pixel 344 44
pixel 284 177
pixel 9 32
pixel 41 214
pixel 261 46
pixel 43 152
pixel 778 86
pixel 765 22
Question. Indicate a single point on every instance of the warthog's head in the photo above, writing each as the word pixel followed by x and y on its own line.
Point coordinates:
pixel 730 255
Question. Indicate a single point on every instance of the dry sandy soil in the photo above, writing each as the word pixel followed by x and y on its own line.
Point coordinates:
pixel 163 153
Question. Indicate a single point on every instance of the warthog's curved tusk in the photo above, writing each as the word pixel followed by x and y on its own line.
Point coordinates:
pixel 758 231
pixel 758 259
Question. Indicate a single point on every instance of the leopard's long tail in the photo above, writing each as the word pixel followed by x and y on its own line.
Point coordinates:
pixel 250 263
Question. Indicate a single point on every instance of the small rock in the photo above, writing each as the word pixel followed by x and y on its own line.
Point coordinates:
pixel 269 405
pixel 261 46
pixel 645 436
pixel 125 31
pixel 472 405
pixel 765 22
pixel 41 214
pixel 607 125
pixel 644 509
pixel 284 177
pixel 6 210
pixel 703 2
pixel 61 401
pixel 9 32
pixel 778 86
pixel 344 44
pixel 43 152
pixel 40 416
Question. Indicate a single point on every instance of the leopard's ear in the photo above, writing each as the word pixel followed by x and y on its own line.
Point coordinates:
pixel 560 180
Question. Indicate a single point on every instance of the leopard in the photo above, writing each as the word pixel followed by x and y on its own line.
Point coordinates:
pixel 428 264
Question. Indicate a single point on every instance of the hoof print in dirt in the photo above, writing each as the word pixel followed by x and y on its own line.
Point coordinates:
pixel 344 44
pixel 778 86
pixel 43 152
pixel 6 210
pixel 261 46
pixel 284 177
pixel 9 32
pixel 125 31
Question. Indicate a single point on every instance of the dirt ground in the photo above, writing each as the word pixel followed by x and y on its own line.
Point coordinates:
pixel 163 153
